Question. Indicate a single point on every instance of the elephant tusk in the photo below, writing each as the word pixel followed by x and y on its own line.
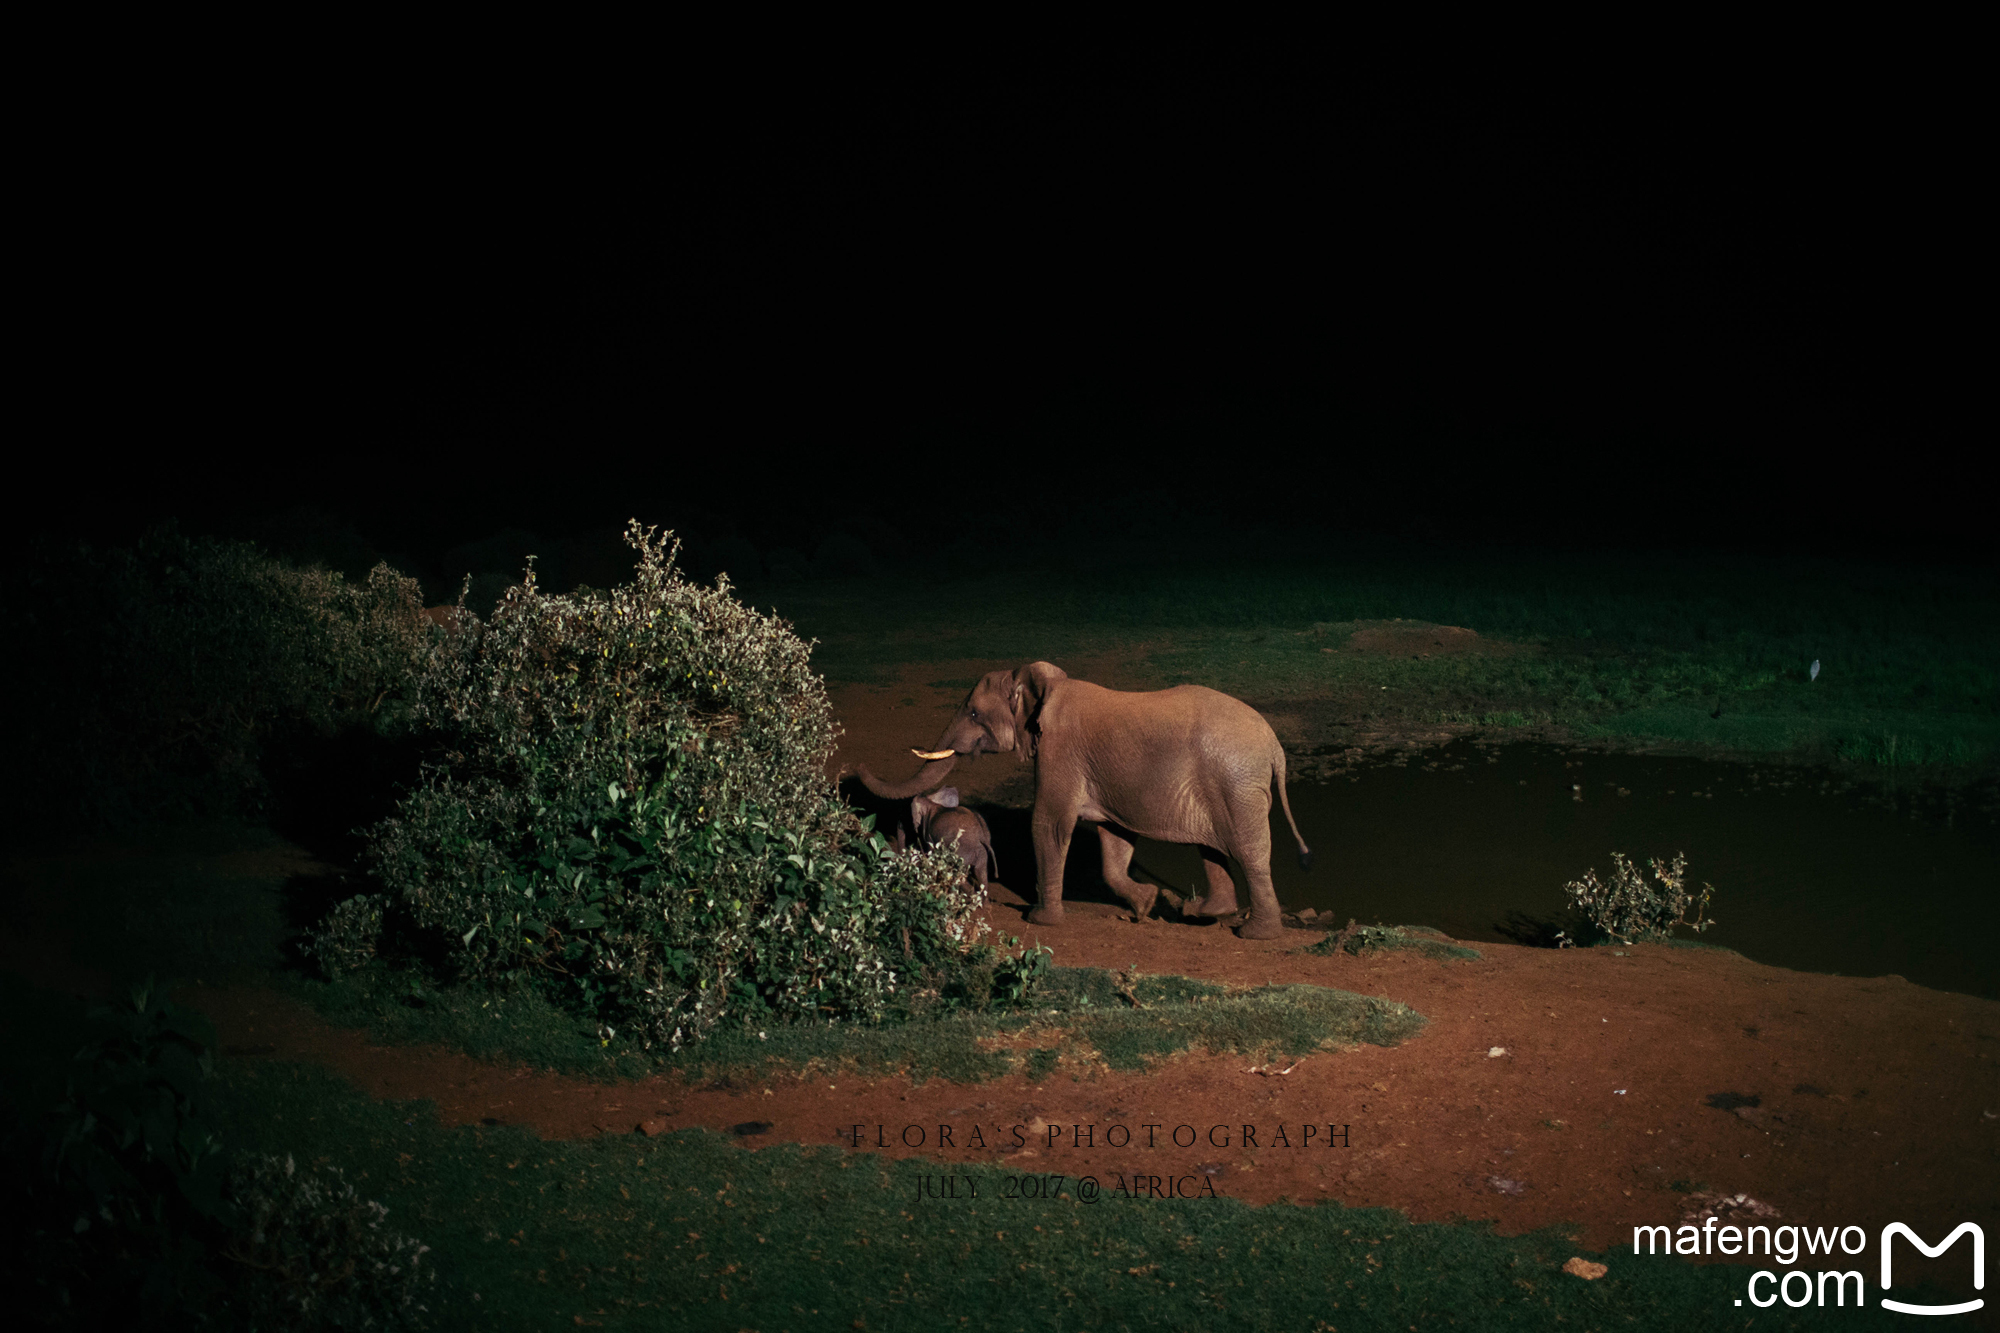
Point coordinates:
pixel 933 754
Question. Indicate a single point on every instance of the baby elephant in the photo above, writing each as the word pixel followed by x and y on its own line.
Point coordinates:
pixel 942 822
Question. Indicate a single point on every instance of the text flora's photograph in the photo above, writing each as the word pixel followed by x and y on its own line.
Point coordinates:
pixel 1161 694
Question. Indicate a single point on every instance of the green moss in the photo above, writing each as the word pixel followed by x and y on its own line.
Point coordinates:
pixel 1413 939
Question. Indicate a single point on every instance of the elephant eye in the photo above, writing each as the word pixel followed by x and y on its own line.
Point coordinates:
pixel 975 715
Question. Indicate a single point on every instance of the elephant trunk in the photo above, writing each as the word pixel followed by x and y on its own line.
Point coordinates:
pixel 929 777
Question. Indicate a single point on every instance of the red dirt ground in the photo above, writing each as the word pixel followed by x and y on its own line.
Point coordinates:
pixel 1878 1099
pixel 1549 1086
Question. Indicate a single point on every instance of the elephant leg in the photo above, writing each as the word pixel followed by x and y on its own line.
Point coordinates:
pixel 1117 849
pixel 1251 821
pixel 1052 835
pixel 1221 897
pixel 1266 919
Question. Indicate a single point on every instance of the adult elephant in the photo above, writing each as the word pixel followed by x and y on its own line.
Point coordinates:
pixel 1186 765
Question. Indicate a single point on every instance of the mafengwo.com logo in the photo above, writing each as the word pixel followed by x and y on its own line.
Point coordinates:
pixel 1820 1287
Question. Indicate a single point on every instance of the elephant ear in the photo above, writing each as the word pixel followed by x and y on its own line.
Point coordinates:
pixel 921 810
pixel 946 796
pixel 1031 690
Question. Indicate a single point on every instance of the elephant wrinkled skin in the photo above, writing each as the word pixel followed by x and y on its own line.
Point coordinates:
pixel 942 822
pixel 1187 765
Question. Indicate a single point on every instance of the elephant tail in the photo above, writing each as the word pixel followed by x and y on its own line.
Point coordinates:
pixel 1278 775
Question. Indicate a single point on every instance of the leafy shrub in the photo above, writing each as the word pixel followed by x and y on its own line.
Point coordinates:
pixel 124 1205
pixel 1020 974
pixel 313 1254
pixel 632 813
pixel 180 659
pixel 347 938
pixel 1628 908
pixel 120 1182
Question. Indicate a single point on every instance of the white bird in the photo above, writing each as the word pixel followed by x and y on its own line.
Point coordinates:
pixel 1815 670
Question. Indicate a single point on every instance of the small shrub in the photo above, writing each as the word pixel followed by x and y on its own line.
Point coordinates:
pixel 632 814
pixel 117 1187
pixel 348 937
pixel 1018 976
pixel 310 1253
pixel 1629 908
pixel 121 1182
pixel 124 1207
pixel 129 1157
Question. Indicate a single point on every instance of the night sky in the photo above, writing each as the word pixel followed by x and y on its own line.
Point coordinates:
pixel 1702 313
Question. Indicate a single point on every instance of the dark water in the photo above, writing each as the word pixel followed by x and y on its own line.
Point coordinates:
pixel 1807 875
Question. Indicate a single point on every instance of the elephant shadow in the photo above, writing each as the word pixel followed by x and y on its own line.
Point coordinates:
pixel 1541 931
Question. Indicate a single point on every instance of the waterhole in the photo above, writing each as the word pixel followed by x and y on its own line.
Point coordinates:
pixel 1809 872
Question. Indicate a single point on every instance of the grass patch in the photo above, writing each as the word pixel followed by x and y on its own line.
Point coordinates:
pixel 1872 739
pixel 1040 1063
pixel 1083 1018
pixel 1420 940
pixel 1674 943
pixel 1279 1021
pixel 401 1006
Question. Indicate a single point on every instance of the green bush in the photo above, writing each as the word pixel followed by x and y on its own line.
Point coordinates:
pixel 124 1206
pixel 632 813
pixel 1628 908
pixel 160 673
pixel 347 938
pixel 308 1252
pixel 120 1182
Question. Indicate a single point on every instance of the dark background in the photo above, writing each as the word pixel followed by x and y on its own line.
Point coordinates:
pixel 1174 295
